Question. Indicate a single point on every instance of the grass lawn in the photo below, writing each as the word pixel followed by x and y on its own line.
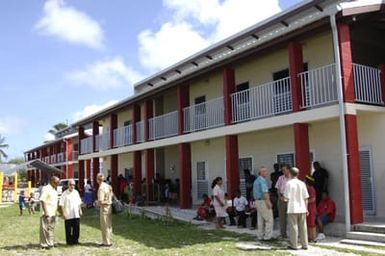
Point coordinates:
pixel 133 235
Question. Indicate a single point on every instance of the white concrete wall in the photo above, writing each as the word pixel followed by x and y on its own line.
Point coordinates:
pixel 210 85
pixel 124 116
pixel 318 50
pixel 125 161
pixel 371 129
pixel 171 163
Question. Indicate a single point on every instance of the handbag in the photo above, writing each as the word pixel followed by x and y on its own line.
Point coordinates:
pixel 117 205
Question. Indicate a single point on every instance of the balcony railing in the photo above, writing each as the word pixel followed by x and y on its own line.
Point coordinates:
pixel 123 136
pixel 86 145
pixel 367 84
pixel 75 155
pixel 318 86
pixel 46 159
pixel 262 101
pixel 61 157
pixel 53 159
pixel 163 126
pixel 140 131
pixel 102 142
pixel 205 115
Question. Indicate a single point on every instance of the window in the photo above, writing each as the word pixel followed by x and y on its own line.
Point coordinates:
pixel 289 159
pixel 243 100
pixel 127 123
pixel 200 118
pixel 245 163
pixel 367 187
pixel 282 95
pixel 202 179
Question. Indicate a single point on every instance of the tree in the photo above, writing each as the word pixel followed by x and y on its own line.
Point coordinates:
pixel 57 127
pixel 3 146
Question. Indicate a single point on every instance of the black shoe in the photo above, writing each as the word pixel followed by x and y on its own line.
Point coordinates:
pixel 291 248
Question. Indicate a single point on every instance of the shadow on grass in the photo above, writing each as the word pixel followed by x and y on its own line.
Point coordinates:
pixel 160 234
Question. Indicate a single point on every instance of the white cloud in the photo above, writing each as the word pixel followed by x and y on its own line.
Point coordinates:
pixel 91 109
pixel 106 74
pixel 194 25
pixel 69 24
pixel 10 125
pixel 49 137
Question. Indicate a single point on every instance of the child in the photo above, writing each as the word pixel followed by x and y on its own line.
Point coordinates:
pixel 21 202
pixel 31 204
pixel 312 209
pixel 204 208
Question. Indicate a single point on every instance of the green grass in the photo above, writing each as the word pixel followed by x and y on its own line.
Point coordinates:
pixel 133 235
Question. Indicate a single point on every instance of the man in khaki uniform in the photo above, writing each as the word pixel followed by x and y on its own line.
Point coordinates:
pixel 105 204
pixel 48 201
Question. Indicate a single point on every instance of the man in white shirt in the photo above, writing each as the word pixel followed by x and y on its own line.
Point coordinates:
pixel 282 205
pixel 70 204
pixel 48 201
pixel 296 196
pixel 240 204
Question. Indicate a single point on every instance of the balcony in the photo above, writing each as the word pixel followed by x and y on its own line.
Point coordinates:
pixel 75 155
pixel 86 145
pixel 262 101
pixel 102 142
pixel 163 126
pixel 140 131
pixel 61 157
pixel 203 116
pixel 123 136
pixel 367 84
pixel 53 159
pixel 46 159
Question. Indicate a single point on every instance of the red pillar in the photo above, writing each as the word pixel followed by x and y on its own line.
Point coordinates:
pixel 301 145
pixel 135 119
pixel 356 211
pixel 65 174
pixel 295 67
pixel 382 68
pixel 81 162
pixel 69 156
pixel 95 132
pixel 232 164
pixel 114 174
pixel 150 171
pixel 346 62
pixel 182 93
pixel 185 175
pixel 228 89
pixel 148 113
pixel 113 126
pixel 137 172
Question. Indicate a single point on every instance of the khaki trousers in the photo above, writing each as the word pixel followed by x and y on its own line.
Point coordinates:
pixel 265 220
pixel 282 212
pixel 47 227
pixel 106 223
pixel 297 227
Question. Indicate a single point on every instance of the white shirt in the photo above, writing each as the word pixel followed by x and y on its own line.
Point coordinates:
pixel 296 193
pixel 71 203
pixel 240 203
pixel 88 188
pixel 50 198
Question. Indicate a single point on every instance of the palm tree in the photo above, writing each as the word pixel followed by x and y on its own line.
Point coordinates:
pixel 57 127
pixel 3 146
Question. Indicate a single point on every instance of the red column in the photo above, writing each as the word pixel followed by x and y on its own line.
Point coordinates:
pixel 95 131
pixel 346 62
pixel 185 175
pixel 382 68
pixel 232 164
pixel 113 126
pixel 150 171
pixel 114 174
pixel 137 172
pixel 301 145
pixel 295 67
pixel 228 89
pixel 356 211
pixel 135 119
pixel 148 113
pixel 182 93
pixel 69 157
pixel 81 162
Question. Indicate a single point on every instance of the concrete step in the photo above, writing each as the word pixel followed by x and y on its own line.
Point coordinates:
pixel 362 243
pixel 380 229
pixel 366 236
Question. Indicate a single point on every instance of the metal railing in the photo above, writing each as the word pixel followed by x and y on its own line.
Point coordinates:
pixel 205 115
pixel 102 142
pixel 75 155
pixel 53 159
pixel 140 131
pixel 86 145
pixel 318 86
pixel 261 101
pixel 61 157
pixel 123 136
pixel 367 84
pixel 46 159
pixel 163 126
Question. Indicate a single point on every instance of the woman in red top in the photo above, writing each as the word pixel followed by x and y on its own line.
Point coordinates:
pixel 203 210
pixel 312 209
pixel 326 213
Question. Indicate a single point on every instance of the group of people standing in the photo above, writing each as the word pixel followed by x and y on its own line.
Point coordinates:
pixel 301 206
pixel 70 207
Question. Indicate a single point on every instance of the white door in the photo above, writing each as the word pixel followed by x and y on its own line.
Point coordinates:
pixel 202 180
pixel 367 181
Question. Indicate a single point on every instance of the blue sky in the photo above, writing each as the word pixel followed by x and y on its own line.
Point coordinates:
pixel 61 60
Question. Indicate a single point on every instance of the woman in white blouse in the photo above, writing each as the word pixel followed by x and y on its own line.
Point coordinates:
pixel 219 201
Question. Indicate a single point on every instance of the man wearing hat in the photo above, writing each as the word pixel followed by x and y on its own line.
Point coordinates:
pixel 296 196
